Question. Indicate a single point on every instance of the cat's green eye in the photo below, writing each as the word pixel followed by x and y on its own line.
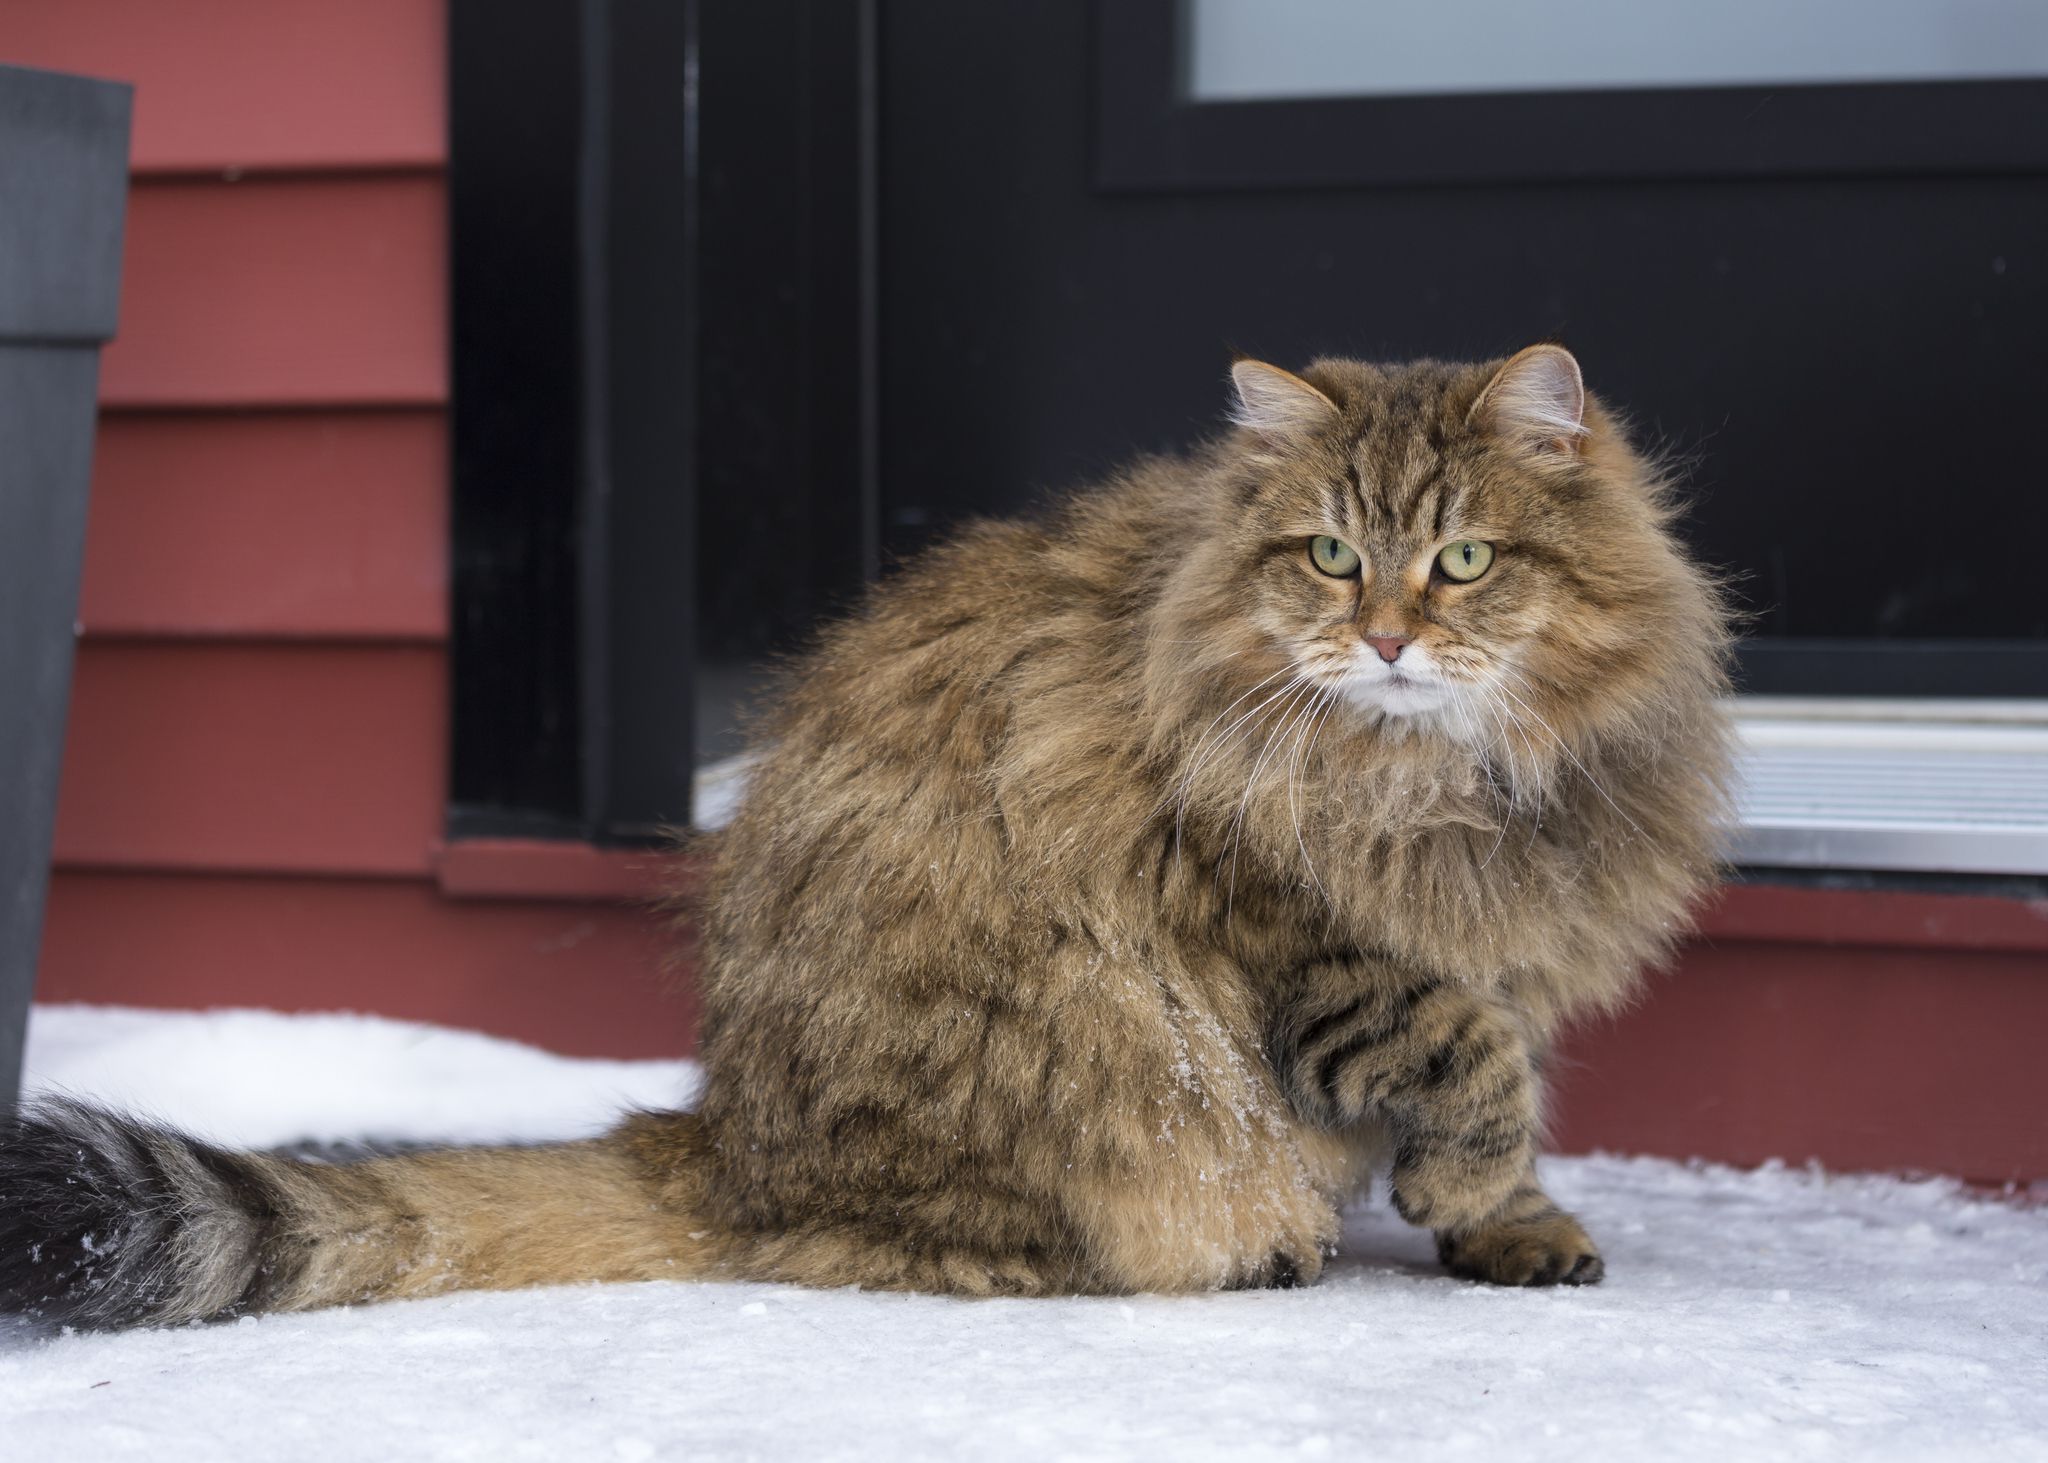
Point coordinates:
pixel 1333 556
pixel 1465 560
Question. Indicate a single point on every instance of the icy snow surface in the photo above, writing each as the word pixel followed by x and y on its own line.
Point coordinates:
pixel 1777 1314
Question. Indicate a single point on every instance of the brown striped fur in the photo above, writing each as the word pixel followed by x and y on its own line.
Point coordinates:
pixel 1094 922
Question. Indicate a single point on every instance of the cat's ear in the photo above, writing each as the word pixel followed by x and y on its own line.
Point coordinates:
pixel 1537 399
pixel 1278 404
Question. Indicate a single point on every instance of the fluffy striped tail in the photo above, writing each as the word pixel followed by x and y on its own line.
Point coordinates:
pixel 108 1222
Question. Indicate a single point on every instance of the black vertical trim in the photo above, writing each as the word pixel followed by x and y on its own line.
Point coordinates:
pixel 870 325
pixel 572 198
pixel 515 430
pixel 646 608
pixel 594 183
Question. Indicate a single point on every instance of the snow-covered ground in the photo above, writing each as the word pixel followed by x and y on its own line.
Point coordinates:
pixel 1776 1314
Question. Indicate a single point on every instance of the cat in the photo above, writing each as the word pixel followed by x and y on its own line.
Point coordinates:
pixel 1113 893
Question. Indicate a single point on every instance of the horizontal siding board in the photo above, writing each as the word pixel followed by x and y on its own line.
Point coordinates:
pixel 313 759
pixel 1785 914
pixel 1795 1052
pixel 584 979
pixel 329 524
pixel 542 868
pixel 229 85
pixel 283 292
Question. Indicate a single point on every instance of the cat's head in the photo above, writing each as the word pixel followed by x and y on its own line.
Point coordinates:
pixel 1454 550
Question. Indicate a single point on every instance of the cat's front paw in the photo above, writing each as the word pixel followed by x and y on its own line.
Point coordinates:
pixel 1544 1249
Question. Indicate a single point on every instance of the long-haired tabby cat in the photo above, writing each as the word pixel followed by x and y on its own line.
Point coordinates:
pixel 1113 892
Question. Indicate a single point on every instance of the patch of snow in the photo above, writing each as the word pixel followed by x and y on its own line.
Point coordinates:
pixel 258 1079
pixel 1774 1314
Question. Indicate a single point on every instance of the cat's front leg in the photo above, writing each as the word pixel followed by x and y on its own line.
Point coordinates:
pixel 1450 1069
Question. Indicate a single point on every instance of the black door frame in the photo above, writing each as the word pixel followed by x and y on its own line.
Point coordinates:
pixel 573 188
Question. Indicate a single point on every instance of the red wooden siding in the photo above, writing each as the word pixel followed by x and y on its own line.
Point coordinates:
pixel 255 775
pixel 1857 1057
pixel 283 292
pixel 227 85
pixel 577 978
pixel 328 524
pixel 257 758
pixel 1782 914
pixel 262 686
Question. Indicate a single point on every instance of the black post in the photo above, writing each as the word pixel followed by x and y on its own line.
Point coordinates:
pixel 63 194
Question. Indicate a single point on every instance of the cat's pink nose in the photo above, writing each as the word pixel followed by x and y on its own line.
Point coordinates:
pixel 1389 646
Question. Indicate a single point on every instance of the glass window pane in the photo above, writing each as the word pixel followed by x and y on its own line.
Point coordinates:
pixel 1240 50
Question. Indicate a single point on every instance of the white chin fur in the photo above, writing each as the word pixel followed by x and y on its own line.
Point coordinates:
pixel 1408 696
pixel 1407 716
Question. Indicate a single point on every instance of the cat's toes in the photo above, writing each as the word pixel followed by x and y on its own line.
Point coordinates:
pixel 1549 1249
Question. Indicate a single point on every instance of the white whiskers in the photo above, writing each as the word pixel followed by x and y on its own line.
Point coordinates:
pixel 1204 750
pixel 1571 756
pixel 1233 841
